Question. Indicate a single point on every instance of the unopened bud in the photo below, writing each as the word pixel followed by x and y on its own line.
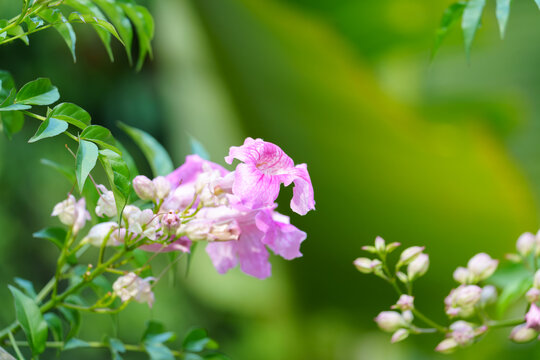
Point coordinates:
pixel 392 246
pixel 482 266
pixel 418 266
pixel 462 332
pixel 170 222
pixel 380 244
pixel 462 275
pixel 405 302
pixel 400 335
pixel 526 243
pixel 515 258
pixel 369 248
pixel 467 295
pixel 533 295
pixel 488 295
pixel 447 346
pixel 410 254
pixel 390 321
pixel 407 316
pixel 402 277
pixel 363 265
pixel 523 334
pixel 162 186
pixel 144 187
pixel 532 317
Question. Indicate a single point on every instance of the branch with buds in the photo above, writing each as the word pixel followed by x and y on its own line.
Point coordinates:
pixel 468 305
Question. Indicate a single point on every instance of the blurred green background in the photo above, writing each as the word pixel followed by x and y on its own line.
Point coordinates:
pixel 444 155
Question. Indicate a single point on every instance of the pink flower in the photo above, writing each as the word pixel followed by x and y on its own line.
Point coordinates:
pixel 265 167
pixel 182 244
pixel 533 317
pixel 190 170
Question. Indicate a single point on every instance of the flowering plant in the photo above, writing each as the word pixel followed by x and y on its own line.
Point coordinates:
pixel 469 307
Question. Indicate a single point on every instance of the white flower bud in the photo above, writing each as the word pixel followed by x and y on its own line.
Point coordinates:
pixel 405 302
pixel 224 232
pixel 410 254
pixel 402 277
pixel 106 204
pixel 447 346
pixel 536 281
pixel 144 187
pixel 462 332
pixel 162 186
pixel 131 286
pixel 522 334
pixel 98 232
pixel 462 275
pixel 380 244
pixel 407 316
pixel 489 295
pixel 418 267
pixel 392 246
pixel 390 321
pixel 467 295
pixel 482 266
pixel 143 222
pixel 526 243
pixel 400 335
pixel 363 265
pixel 533 317
pixel 170 222
pixel 533 295
pixel 72 213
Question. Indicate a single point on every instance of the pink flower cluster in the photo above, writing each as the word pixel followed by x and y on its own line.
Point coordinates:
pixel 236 210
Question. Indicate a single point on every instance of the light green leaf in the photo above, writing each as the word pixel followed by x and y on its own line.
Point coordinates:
pixel 38 92
pixel 33 23
pixel 144 24
pixel 75 343
pixel 72 114
pixel 90 19
pixel 17 31
pixel 86 158
pixel 14 107
pixel 196 340
pixel 117 347
pixel 68 172
pixel 101 136
pixel 158 351
pixel 120 21
pixel 55 325
pixel 31 320
pixel 27 286
pixel 472 14
pixel 54 16
pixel 73 317
pixel 49 128
pixel 503 11
pixel 157 156
pixel 119 178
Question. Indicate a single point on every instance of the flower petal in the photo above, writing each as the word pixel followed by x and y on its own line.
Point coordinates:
pixel 283 238
pixel 255 188
pixel 188 172
pixel 303 197
pixel 223 255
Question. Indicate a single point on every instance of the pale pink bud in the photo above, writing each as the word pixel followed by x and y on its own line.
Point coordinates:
pixel 410 254
pixel 532 317
pixel 144 187
pixel 405 302
pixel 526 243
pixel 162 186
pixel 482 266
pixel 72 213
pixel 99 232
pixel 462 275
pixel 380 244
pixel 363 265
pixel 392 246
pixel 131 286
pixel 407 316
pixel 170 222
pixel 400 335
pixel 447 346
pixel 462 332
pixel 467 295
pixel 106 204
pixel 418 266
pixel 390 321
pixel 523 334
pixel 533 295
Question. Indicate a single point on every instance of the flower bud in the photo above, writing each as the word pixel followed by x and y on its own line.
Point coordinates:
pixel 370 249
pixel 224 232
pixel 363 265
pixel 526 243
pixel 536 281
pixel 533 295
pixel 462 275
pixel 405 302
pixel 467 295
pixel 106 204
pixel 170 222
pixel 402 277
pixel 144 187
pixel 380 245
pixel 99 232
pixel 447 346
pixel 162 186
pixel 390 321
pixel 482 266
pixel 407 316
pixel 400 335
pixel 418 266
pixel 489 295
pixel 522 334
pixel 392 246
pixel 410 254
pixel 462 332
pixel 532 317
pixel 131 286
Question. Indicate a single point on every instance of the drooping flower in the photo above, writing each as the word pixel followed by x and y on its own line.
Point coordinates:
pixel 72 213
pixel 106 204
pixel 131 286
pixel 263 169
pixel 99 232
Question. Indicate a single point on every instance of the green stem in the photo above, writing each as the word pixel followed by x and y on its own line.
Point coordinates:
pixel 429 322
pixel 43 118
pixel 505 323
pixel 17 350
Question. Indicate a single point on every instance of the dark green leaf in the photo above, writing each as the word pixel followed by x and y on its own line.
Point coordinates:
pixel 7 85
pixel 158 351
pixel 157 156
pixel 56 235
pixel 68 172
pixel 119 178
pixel 449 18
pixel 216 356
pixel 117 347
pixel 101 136
pixel 120 21
pixel 503 11
pixel 472 14
pixel 12 122
pixel 55 324
pixel 38 92
pixel 54 16
pixel 196 340
pixel 73 318
pixel 49 128
pixel 31 320
pixel 18 31
pixel 75 343
pixel 87 155
pixel 90 19
pixel 144 24
pixel 27 287
pixel 72 114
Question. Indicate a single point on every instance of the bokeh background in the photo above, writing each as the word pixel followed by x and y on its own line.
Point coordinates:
pixel 442 154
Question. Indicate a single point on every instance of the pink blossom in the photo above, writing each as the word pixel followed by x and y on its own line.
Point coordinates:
pixel 190 170
pixel 533 317
pixel 182 244
pixel 264 168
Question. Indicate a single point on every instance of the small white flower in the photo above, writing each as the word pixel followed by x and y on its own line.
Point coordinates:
pixel 482 266
pixel 162 186
pixel 380 244
pixel 400 335
pixel 526 243
pixel 462 332
pixel 144 187
pixel 462 275
pixel 418 266
pixel 363 265
pixel 106 204
pixel 410 254
pixel 447 346
pixel 131 286
pixel 98 232
pixel 405 302
pixel 72 213
pixel 390 321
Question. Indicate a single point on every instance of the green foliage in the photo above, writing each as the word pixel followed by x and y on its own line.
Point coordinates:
pixel 153 340
pixel 119 177
pixel 37 92
pixel 72 114
pixel 117 347
pixel 26 286
pixel 109 18
pixel 49 128
pixel 31 320
pixel 55 325
pixel 515 280
pixel 87 156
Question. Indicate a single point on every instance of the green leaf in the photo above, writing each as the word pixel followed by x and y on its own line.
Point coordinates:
pixel 38 92
pixel 14 107
pixel 33 23
pixel 73 317
pixel 90 19
pixel 27 287
pixel 68 172
pixel 31 320
pixel 12 122
pixel 117 347
pixel 101 136
pixel 514 280
pixel 72 114
pixel 75 343
pixel 56 235
pixel 49 128
pixel 196 340
pixel 120 21
pixel 449 18
pixel 472 14
pixel 54 16
pixel 7 85
pixel 87 155
pixel 537 3
pixel 155 332
pixel 216 356
pixel 144 24
pixel 55 325
pixel 503 11
pixel 158 351
pixel 157 156
pixel 119 178
pixel 17 31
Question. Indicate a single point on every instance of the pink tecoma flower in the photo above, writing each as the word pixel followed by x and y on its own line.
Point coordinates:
pixel 263 169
